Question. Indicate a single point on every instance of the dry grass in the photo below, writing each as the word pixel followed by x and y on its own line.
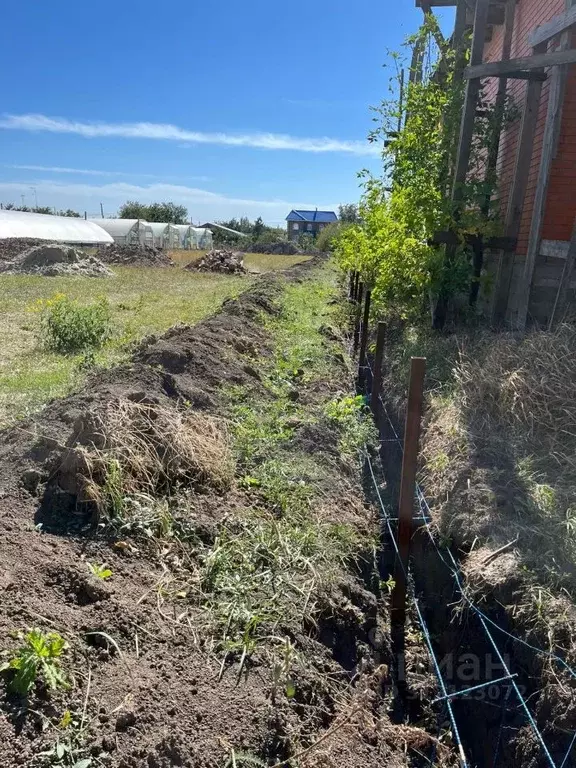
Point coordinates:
pixel 143 448
pixel 499 467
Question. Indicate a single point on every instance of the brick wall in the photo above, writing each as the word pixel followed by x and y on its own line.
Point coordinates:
pixel 561 200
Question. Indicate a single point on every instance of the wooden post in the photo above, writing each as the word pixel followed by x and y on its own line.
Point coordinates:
pixel 408 487
pixel 363 342
pixel 377 374
pixel 517 194
pixel 464 145
pixel 557 85
pixel 352 285
pixel 357 318
pixel 492 159
pixel 564 287
pixel 356 286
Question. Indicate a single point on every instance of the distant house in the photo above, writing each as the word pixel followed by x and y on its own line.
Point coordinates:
pixel 311 222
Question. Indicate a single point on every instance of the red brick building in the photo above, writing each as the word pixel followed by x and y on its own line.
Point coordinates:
pixel 525 48
pixel 559 209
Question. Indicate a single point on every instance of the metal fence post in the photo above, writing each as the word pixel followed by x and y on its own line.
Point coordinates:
pixel 358 313
pixel 408 487
pixel 377 372
pixel 364 342
pixel 352 285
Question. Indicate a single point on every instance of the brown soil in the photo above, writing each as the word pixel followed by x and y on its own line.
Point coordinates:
pixel 151 696
pixel 134 255
pixel 11 247
pixel 55 260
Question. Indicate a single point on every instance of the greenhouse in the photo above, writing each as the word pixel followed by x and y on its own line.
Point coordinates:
pixel 187 238
pixel 127 231
pixel 43 226
pixel 165 235
pixel 203 238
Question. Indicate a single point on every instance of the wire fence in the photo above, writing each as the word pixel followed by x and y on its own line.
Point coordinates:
pixel 487 625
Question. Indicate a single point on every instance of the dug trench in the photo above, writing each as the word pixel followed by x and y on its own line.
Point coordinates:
pixel 189 536
pixel 492 723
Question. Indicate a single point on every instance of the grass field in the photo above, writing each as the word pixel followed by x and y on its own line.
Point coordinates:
pixel 260 262
pixel 143 301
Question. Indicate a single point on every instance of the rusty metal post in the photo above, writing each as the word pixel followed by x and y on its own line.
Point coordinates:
pixel 408 487
pixel 377 372
pixel 363 342
pixel 358 314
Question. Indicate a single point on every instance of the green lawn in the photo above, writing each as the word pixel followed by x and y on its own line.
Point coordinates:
pixel 143 301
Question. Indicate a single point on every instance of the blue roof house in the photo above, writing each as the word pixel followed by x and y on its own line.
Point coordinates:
pixel 308 222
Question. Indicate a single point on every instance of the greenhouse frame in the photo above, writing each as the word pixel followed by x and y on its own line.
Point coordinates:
pixel 127 231
pixel 165 235
pixel 43 226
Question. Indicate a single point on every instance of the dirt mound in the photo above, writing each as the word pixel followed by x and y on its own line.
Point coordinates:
pixel 229 262
pixel 54 260
pixel 11 247
pixel 283 248
pixel 137 255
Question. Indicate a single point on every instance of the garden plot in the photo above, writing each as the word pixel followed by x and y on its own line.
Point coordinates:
pixel 187 543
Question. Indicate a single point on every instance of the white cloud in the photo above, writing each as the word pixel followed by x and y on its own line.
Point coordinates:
pixel 90 172
pixel 202 204
pixel 167 132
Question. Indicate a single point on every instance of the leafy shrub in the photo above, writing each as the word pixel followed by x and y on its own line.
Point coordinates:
pixel 68 327
pixel 327 237
pixel 38 657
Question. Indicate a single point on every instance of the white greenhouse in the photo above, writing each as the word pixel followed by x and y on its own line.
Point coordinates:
pixel 203 238
pixel 43 226
pixel 165 235
pixel 187 239
pixel 127 231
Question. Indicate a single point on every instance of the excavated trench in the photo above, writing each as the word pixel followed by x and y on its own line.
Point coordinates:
pixel 492 723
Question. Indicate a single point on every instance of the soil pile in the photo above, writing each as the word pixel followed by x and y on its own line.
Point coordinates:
pixel 11 247
pixel 54 260
pixel 135 255
pixel 229 262
pixel 283 248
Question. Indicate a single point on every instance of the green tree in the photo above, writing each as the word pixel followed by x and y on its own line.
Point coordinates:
pixel 348 213
pixel 258 228
pixel 165 212
pixel 132 209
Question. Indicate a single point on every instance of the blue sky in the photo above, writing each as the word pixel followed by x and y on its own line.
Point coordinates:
pixel 229 108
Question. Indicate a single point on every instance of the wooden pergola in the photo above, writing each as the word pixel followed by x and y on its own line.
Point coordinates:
pixel 541 64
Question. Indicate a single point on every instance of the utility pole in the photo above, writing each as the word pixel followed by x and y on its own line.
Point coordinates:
pixel 101 210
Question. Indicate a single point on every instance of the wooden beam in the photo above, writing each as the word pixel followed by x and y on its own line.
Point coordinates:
pixel 527 74
pixel 565 281
pixel 464 149
pixel 517 194
pixel 537 61
pixel 549 29
pixel 551 129
pixel 436 3
pixel 470 101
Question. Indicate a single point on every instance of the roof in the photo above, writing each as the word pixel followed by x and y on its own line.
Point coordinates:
pixel 322 216
pixel 160 227
pixel 210 225
pixel 65 229
pixel 119 227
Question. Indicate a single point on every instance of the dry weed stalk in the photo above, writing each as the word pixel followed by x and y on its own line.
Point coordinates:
pixel 145 448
